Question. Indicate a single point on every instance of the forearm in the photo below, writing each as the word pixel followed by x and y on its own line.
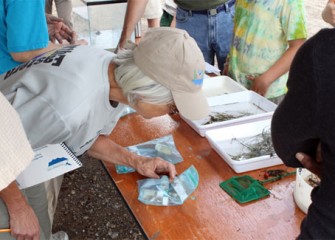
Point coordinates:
pixel 135 10
pixel 28 55
pixel 283 64
pixel 107 150
pixel 13 198
pixel 173 23
pixel 22 219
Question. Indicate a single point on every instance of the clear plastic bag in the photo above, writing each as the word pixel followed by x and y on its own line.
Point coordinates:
pixel 163 147
pixel 162 192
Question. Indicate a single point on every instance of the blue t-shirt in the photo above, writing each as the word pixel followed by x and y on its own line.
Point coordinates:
pixel 23 28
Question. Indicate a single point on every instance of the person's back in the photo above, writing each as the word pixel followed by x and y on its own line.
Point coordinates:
pixel 71 92
pixel 264 32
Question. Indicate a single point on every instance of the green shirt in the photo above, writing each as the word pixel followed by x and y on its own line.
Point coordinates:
pixel 261 33
pixel 199 4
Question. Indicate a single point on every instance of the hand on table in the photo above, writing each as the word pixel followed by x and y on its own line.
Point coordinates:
pixel 151 167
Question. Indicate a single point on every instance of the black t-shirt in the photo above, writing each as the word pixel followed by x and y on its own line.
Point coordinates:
pixel 306 117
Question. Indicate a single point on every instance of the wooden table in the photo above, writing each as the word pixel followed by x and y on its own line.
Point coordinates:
pixel 209 213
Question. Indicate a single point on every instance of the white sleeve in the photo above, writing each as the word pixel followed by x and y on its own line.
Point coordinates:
pixel 15 151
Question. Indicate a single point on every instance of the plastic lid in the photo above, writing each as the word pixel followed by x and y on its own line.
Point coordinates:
pixel 244 188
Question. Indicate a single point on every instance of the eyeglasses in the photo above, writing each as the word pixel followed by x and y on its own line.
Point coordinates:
pixel 173 109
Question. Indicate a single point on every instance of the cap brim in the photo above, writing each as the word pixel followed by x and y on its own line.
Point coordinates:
pixel 193 106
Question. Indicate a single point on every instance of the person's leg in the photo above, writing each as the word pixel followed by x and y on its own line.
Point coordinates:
pixel 223 25
pixel 53 188
pixel 48 6
pixel 64 10
pixel 197 26
pixel 37 198
pixel 152 23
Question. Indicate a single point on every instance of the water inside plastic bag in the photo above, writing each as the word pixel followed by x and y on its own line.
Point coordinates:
pixel 163 147
pixel 162 192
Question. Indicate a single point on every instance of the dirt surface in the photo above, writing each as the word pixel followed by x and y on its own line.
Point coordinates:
pixel 90 207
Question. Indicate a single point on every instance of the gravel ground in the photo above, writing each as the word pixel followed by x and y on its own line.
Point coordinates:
pixel 90 206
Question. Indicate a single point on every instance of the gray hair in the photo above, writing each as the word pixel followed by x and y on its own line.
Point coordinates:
pixel 135 84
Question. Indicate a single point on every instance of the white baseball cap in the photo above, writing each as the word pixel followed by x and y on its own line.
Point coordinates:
pixel 172 58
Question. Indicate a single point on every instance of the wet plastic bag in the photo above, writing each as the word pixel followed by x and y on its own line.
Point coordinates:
pixel 162 192
pixel 163 147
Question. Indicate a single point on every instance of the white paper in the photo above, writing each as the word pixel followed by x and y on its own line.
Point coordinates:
pixel 49 162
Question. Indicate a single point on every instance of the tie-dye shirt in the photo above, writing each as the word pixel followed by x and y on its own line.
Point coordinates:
pixel 261 34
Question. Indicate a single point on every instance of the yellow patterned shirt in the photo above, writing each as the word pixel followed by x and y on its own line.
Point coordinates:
pixel 261 34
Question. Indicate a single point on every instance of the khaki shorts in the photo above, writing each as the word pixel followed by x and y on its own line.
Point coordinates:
pixel 153 10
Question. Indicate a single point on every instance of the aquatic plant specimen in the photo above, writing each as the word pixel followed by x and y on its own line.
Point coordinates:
pixel 220 117
pixel 256 146
pixel 313 180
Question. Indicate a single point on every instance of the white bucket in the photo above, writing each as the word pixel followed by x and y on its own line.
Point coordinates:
pixel 302 190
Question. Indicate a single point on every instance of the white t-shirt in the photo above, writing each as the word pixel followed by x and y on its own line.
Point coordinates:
pixel 63 96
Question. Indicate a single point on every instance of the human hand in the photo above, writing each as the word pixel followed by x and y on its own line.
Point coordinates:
pixel 23 222
pixel 225 68
pixel 121 44
pixel 259 84
pixel 313 165
pixel 328 13
pixel 51 18
pixel 150 167
pixel 58 30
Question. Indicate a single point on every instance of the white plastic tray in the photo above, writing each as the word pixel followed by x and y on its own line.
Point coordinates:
pixel 222 142
pixel 215 86
pixel 235 104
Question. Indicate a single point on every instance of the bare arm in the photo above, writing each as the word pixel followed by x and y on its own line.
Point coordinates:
pixel 28 55
pixel 107 150
pixel 281 66
pixel 135 10
pixel 57 30
pixel 23 221
pixel 328 13
pixel 173 23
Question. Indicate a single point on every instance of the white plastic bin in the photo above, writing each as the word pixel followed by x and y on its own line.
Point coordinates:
pixel 225 141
